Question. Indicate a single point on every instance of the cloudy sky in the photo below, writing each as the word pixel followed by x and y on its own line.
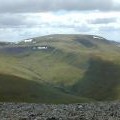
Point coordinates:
pixel 21 19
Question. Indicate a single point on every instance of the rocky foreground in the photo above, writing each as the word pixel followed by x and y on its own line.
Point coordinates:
pixel 92 111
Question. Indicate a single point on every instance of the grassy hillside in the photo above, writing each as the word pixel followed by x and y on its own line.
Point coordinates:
pixel 16 89
pixel 69 67
pixel 101 81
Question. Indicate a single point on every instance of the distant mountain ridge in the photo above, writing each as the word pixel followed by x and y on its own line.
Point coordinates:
pixel 61 69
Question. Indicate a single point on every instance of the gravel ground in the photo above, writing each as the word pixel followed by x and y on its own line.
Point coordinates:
pixel 92 111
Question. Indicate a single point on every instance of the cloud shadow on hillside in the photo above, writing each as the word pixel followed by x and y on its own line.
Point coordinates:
pixel 100 81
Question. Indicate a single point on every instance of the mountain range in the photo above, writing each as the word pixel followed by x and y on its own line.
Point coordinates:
pixel 60 68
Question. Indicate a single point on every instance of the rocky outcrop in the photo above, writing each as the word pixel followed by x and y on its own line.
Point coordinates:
pixel 92 111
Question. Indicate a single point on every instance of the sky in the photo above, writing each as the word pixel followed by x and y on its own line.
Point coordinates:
pixel 22 19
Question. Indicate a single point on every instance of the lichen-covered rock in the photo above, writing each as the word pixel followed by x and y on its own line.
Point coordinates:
pixel 91 111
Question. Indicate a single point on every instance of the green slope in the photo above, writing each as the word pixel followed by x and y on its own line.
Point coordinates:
pixel 65 66
pixel 16 89
pixel 101 81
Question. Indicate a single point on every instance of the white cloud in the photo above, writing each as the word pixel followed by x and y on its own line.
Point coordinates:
pixel 116 2
pixel 28 6
pixel 19 26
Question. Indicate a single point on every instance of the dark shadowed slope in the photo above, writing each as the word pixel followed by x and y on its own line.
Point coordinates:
pixel 101 80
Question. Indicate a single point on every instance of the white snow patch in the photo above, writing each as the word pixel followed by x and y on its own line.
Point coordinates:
pixel 96 37
pixel 28 40
pixel 41 48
